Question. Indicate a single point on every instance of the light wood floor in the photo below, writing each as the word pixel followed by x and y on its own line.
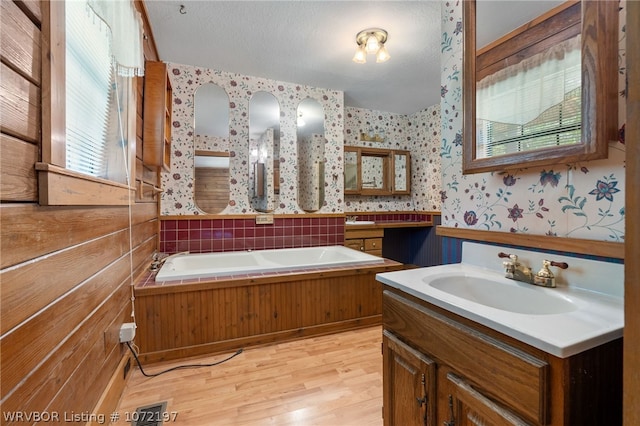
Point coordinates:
pixel 333 380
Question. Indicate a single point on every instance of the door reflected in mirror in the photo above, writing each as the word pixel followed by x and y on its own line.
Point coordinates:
pixel 211 142
pixel 311 155
pixel 264 151
pixel 211 180
pixel 373 172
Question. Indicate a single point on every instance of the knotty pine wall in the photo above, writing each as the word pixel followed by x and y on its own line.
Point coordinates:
pixel 65 271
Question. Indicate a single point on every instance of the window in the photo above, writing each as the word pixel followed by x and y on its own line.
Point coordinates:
pixel 531 105
pixel 89 116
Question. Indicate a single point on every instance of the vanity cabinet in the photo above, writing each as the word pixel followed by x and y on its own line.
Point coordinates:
pixel 411 395
pixel 474 375
pixel 368 240
pixel 156 136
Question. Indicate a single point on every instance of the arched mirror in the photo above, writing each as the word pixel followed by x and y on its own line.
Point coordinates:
pixel 211 142
pixel 311 145
pixel 537 83
pixel 264 151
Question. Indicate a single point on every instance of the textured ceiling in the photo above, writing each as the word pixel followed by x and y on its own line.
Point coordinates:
pixel 312 43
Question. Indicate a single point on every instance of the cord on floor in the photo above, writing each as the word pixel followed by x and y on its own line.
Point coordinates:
pixel 180 367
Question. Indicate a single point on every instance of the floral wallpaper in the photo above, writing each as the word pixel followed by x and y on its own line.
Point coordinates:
pixel 178 183
pixel 583 200
pixel 418 133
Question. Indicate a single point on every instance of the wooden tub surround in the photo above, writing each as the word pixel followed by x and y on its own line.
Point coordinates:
pixel 178 319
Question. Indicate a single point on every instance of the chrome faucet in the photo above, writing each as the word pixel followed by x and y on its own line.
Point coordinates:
pixel 516 271
pixel 158 261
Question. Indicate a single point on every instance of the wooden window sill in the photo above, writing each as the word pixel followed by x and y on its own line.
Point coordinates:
pixel 58 186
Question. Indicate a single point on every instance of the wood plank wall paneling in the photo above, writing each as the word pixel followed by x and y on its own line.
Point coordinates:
pixel 66 271
pixel 32 9
pixel 17 158
pixel 28 230
pixel 20 105
pixel 20 42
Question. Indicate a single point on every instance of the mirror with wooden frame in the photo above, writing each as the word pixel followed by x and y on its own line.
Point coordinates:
pixel 351 170
pixel 376 171
pixel 401 171
pixel 578 127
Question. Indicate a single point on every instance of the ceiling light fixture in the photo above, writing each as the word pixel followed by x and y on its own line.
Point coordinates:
pixel 371 41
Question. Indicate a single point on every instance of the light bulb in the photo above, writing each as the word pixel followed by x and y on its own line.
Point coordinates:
pixel 382 55
pixel 372 44
pixel 361 56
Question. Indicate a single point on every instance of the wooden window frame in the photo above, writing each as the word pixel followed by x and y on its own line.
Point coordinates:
pixel 57 185
pixel 599 30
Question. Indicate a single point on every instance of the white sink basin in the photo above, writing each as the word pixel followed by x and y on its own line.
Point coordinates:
pixel 562 321
pixel 360 222
pixel 511 296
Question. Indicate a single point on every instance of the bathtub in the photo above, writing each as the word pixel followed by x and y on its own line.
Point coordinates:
pixel 204 265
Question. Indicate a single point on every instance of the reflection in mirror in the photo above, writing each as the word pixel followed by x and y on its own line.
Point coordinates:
pixel 530 97
pixel 311 145
pixel 401 164
pixel 372 172
pixel 211 141
pixel 351 170
pixel 212 180
pixel 264 151
pixel 375 171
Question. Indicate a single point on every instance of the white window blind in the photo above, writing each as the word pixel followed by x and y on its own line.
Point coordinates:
pixel 89 80
pixel 531 105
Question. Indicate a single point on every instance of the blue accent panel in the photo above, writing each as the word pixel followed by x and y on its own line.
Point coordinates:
pixel 416 246
pixel 452 251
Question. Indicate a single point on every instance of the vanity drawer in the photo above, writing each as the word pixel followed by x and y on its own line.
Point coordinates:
pixel 356 244
pixel 371 244
pixel 498 370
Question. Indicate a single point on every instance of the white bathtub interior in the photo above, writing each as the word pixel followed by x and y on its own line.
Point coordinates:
pixel 204 265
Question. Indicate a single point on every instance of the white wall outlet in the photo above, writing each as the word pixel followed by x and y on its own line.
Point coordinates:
pixel 127 332
pixel 264 219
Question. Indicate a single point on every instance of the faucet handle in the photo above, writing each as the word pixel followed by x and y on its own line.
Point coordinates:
pixel 561 265
pixel 545 277
pixel 545 272
pixel 512 257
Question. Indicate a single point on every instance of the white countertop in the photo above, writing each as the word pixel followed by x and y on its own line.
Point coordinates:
pixel 598 316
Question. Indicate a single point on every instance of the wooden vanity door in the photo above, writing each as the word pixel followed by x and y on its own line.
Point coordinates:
pixel 469 407
pixel 409 388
